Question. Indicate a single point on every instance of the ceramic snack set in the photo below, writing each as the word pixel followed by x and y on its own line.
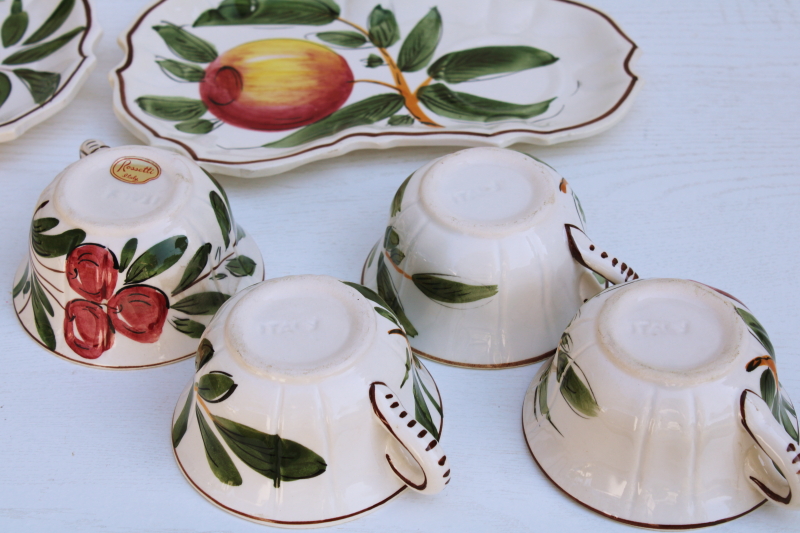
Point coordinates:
pixel 308 408
pixel 662 409
pixel 132 250
pixel 484 259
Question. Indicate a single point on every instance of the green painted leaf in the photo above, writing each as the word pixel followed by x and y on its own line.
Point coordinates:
pixel 26 288
pixel 218 459
pixel 5 88
pixel 768 387
pixel 465 65
pixel 127 254
pixel 348 39
pixel 579 207
pixel 240 234
pixel 202 303
pixel 561 364
pixel 401 120
pixel 56 245
pixel 216 387
pixel 367 111
pixel 577 394
pixel 14 28
pixel 174 108
pixel 194 330
pixel 185 44
pixel 198 126
pixel 387 291
pixel 544 408
pixel 371 256
pixel 40 225
pixel 40 320
pixel 383 28
pixel 179 429
pixel 373 61
pixel 42 85
pixel 241 266
pixel 42 296
pixel 181 71
pixel 157 259
pixel 421 43
pixel 195 267
pixel 388 316
pixel 462 106
pixel 220 188
pixel 757 330
pixel 204 354
pixel 789 425
pixel 38 52
pixel 21 283
pixel 271 456
pixel 219 276
pixel 367 293
pixel 16 7
pixel 53 22
pixel 391 241
pixel 289 12
pixel 421 411
pixel 440 288
pixel 223 219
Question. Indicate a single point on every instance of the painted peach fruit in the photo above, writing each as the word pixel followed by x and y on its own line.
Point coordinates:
pixel 276 84
pixel 139 312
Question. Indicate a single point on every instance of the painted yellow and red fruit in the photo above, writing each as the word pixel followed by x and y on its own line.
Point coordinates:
pixel 276 84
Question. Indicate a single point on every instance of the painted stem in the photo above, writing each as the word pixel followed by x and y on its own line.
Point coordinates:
pixel 400 270
pixel 204 276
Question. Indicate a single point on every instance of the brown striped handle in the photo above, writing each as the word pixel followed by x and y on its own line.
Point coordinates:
pixel 91 146
pixel 413 437
pixel 773 440
pixel 585 252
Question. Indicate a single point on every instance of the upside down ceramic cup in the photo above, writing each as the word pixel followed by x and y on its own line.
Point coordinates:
pixel 308 408
pixel 484 259
pixel 131 251
pixel 662 408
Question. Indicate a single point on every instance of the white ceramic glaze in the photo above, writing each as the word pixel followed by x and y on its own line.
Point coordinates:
pixel 585 85
pixel 45 63
pixel 314 364
pixel 484 259
pixel 651 412
pixel 132 250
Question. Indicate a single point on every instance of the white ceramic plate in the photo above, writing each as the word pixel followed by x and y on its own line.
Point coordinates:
pixel 247 88
pixel 46 56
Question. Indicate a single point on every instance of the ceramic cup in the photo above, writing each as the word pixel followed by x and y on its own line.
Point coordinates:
pixel 662 409
pixel 308 408
pixel 131 251
pixel 484 259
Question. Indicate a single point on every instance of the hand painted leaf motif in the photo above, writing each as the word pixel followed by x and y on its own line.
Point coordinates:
pixel 40 320
pixel 220 189
pixel 41 225
pixel 218 459
pixel 53 22
pixel 205 351
pixel 194 330
pixel 391 241
pixel 42 85
pixel 21 283
pixel 421 43
pixel 371 256
pixel 5 88
pixel 181 71
pixel 541 389
pixel 174 108
pixel 362 113
pixel 14 28
pixel 289 12
pixel 347 39
pixel 462 106
pixel 579 207
pixel 16 7
pixel 39 52
pixel 421 411
pixel 157 259
pixel 397 201
pixel 383 28
pixel 757 330
pixel 789 425
pixel 387 315
pixel 215 387
pixel 240 234
pixel 561 364
pixel 223 219
pixel 373 61
pixel 465 65
pixel 388 293
pixel 195 267
pixel 241 266
pixel 179 429
pixel 186 45
pixel 441 289
pixel 401 120
pixel 42 296
pixel 201 303
pixel 198 126
pixel 408 367
pixel 430 396
pixel 577 394
pixel 56 245
pixel 271 456
pixel 128 251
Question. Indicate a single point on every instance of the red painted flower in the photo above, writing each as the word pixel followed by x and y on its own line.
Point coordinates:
pixel 139 312
pixel 87 329
pixel 92 272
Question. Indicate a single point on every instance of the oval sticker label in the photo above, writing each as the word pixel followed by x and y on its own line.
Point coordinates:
pixel 135 170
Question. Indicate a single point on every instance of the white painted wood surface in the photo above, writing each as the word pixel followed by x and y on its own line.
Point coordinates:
pixel 699 181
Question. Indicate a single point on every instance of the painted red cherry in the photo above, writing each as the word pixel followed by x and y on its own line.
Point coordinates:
pixel 139 312
pixel 92 272
pixel 87 329
pixel 276 84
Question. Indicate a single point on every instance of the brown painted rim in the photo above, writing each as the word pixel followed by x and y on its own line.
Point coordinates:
pixel 129 60
pixel 84 57
pixel 623 520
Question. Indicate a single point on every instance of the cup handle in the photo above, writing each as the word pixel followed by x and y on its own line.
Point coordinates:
pixel 771 438
pixel 90 146
pixel 411 435
pixel 585 252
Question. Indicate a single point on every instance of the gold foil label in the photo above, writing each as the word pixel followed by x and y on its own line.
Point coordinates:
pixel 136 170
